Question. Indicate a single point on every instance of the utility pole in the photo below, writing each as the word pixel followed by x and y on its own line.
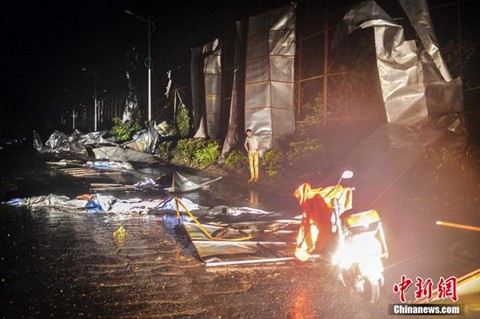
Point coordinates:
pixel 148 60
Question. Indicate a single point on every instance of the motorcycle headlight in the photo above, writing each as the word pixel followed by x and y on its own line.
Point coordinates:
pixel 356 249
pixel 344 256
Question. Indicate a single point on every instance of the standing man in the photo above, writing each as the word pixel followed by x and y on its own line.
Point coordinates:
pixel 253 145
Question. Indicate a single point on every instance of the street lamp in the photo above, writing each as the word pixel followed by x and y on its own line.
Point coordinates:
pixel 95 76
pixel 148 60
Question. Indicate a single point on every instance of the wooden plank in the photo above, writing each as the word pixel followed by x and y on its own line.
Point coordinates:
pixel 105 185
pixel 226 242
pixel 248 261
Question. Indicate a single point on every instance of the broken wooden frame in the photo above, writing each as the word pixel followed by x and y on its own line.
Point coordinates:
pixel 257 242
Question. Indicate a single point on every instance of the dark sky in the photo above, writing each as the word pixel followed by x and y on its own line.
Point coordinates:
pixel 46 43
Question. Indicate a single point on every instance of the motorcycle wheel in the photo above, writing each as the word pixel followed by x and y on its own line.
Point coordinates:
pixel 369 289
pixel 374 290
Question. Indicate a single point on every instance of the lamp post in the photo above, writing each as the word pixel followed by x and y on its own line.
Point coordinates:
pixel 148 60
pixel 95 76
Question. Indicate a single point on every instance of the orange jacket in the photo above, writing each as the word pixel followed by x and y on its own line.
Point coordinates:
pixel 316 204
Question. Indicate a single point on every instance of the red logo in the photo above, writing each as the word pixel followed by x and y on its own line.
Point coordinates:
pixel 446 288
pixel 424 288
pixel 402 287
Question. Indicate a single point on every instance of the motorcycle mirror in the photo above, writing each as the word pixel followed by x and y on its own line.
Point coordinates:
pixel 347 175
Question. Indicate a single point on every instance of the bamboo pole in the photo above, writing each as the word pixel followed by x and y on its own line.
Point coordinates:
pixel 251 261
pixel 105 184
pixel 455 225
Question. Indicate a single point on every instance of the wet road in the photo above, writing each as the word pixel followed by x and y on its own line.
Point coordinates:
pixel 59 264
pixel 63 264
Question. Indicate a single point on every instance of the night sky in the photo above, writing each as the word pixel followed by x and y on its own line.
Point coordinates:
pixel 45 44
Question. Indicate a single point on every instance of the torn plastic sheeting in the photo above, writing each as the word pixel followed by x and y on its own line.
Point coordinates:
pixel 95 138
pixel 269 74
pixel 148 183
pixel 206 69
pixel 144 140
pixel 101 203
pixel 235 211
pixel 164 130
pixel 170 204
pixel 183 182
pixel 212 71
pixel 118 154
pixel 202 129
pixel 364 11
pixel 111 204
pixel 132 107
pixel 59 142
pixel 443 98
pixel 412 89
pixel 419 16
pixel 51 200
pixel 401 76
pixel 197 85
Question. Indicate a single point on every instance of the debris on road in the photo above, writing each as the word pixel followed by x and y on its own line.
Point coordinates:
pixel 120 233
pixel 184 182
pixel 119 154
pixel 245 242
pixel 100 203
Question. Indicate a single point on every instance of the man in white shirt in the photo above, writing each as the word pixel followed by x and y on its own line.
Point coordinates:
pixel 253 145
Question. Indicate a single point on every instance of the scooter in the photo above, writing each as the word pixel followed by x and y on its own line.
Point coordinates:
pixel 360 246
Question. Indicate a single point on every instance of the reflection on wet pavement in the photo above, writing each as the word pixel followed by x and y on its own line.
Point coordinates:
pixel 64 264
pixel 253 198
pixel 70 265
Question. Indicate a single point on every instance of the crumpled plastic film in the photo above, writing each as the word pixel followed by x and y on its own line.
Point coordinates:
pixel 76 143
